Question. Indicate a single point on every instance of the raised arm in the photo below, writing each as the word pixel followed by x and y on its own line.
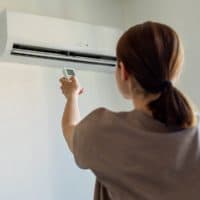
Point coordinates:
pixel 71 115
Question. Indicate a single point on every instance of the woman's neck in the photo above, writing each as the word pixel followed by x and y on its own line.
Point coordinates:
pixel 142 106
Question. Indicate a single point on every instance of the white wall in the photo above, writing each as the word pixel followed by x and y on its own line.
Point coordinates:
pixel 101 12
pixel 184 16
pixel 34 160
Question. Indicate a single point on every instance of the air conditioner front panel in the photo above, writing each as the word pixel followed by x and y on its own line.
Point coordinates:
pixel 87 44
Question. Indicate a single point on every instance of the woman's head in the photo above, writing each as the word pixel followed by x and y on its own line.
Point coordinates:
pixel 150 57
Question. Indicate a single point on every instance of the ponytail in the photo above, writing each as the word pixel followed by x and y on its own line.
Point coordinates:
pixel 173 109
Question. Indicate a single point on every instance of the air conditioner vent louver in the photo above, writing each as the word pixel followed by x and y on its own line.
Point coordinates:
pixel 63 55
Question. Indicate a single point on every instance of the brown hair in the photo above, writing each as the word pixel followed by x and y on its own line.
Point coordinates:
pixel 153 54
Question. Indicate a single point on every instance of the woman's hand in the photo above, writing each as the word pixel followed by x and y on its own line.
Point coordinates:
pixel 71 87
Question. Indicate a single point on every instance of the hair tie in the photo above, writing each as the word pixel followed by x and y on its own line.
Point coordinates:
pixel 166 85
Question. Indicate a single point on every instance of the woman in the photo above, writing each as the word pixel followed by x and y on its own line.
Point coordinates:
pixel 151 152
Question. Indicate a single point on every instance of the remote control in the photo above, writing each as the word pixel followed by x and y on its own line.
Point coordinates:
pixel 68 72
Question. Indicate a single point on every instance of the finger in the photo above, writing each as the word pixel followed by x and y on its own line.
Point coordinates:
pixel 62 79
pixel 81 91
pixel 73 78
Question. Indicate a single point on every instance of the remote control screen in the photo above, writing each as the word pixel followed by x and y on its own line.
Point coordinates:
pixel 70 72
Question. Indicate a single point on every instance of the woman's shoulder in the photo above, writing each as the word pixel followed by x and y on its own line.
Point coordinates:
pixel 105 117
pixel 95 115
pixel 105 112
pixel 101 114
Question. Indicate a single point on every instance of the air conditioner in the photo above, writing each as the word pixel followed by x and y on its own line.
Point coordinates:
pixel 49 41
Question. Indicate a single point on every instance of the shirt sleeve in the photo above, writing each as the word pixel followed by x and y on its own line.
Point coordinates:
pixel 85 139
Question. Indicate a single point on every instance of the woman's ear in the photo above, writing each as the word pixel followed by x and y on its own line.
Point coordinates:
pixel 123 72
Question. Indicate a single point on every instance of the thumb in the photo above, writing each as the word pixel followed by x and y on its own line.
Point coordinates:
pixel 73 78
pixel 81 91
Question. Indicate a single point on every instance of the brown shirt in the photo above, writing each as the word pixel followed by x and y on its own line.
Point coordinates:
pixel 136 157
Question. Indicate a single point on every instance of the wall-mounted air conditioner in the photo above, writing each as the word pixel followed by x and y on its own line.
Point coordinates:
pixel 40 40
